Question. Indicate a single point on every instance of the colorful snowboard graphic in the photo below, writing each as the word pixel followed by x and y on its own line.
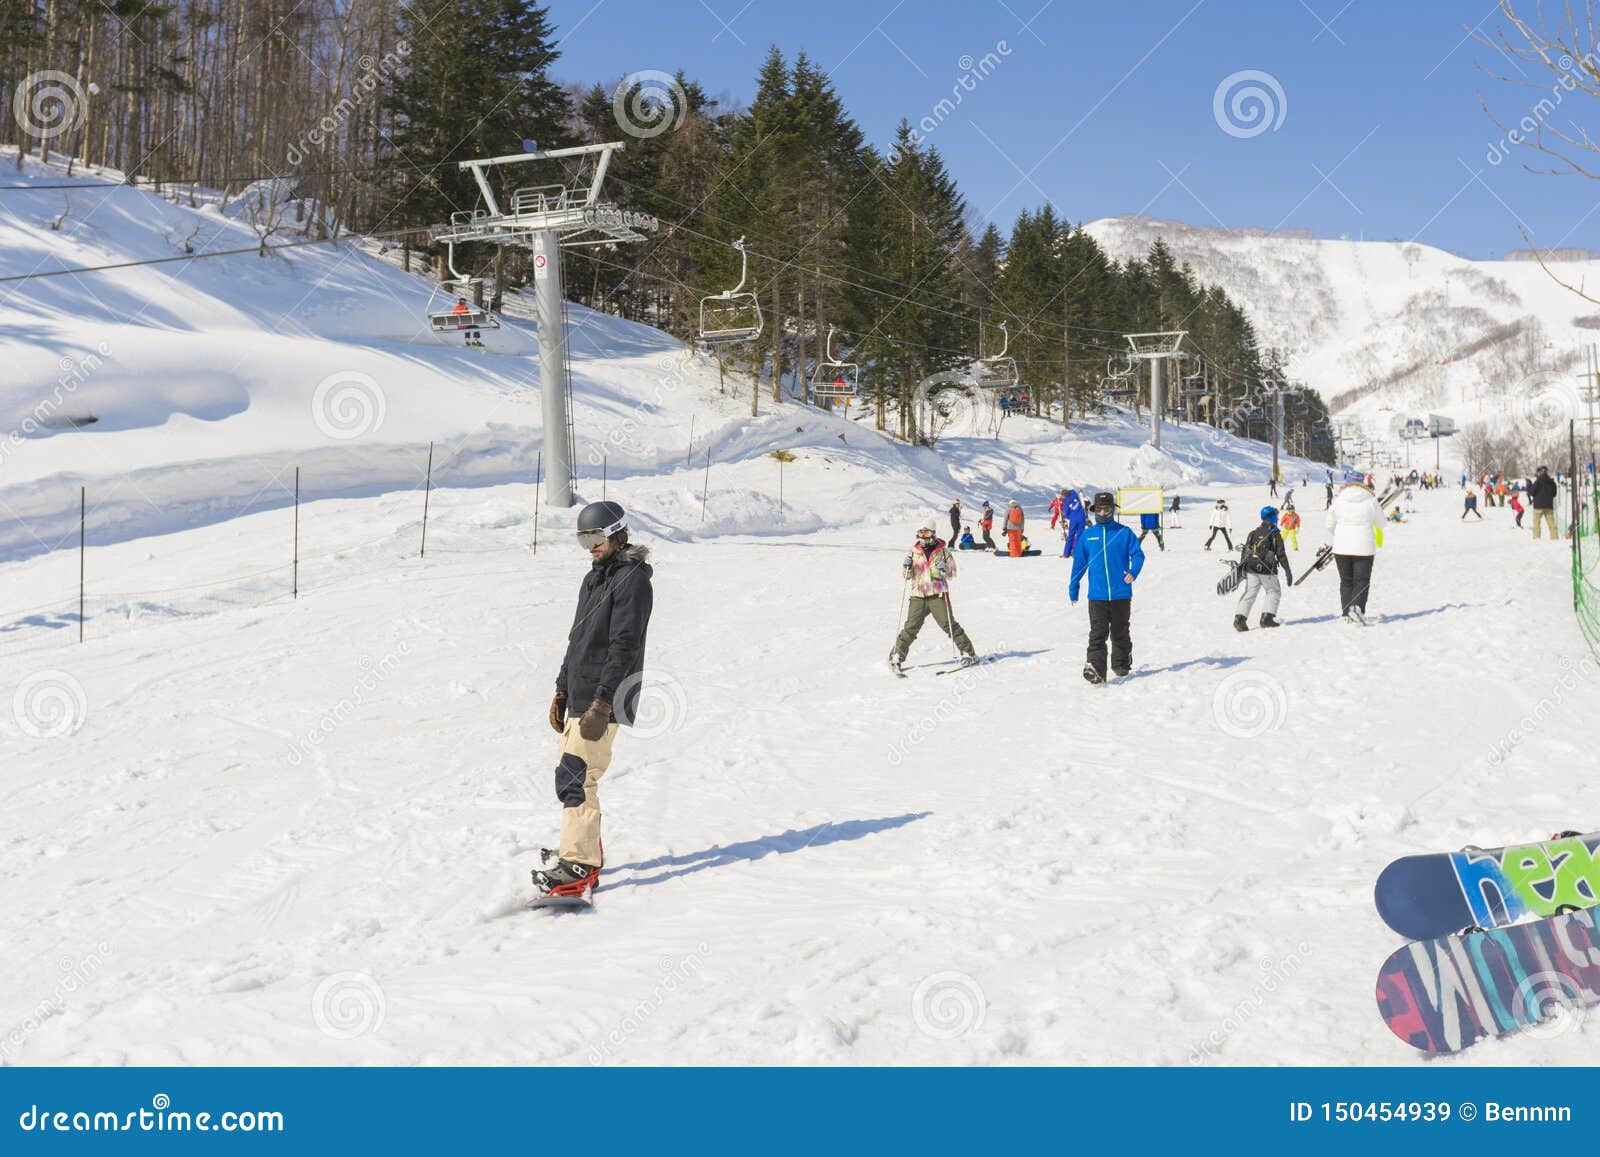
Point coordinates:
pixel 1421 897
pixel 1445 994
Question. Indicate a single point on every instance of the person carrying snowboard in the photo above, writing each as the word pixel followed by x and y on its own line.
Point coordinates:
pixel 1471 506
pixel 1073 520
pixel 1356 521
pixel 1151 524
pixel 1014 522
pixel 1260 557
pixel 1221 524
pixel 1290 525
pixel 929 568
pixel 601 673
pixel 986 524
pixel 1109 553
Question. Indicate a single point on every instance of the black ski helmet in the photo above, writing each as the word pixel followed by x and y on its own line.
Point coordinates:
pixel 599 521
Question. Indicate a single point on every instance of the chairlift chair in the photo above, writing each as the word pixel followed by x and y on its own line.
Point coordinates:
pixel 834 378
pixel 446 316
pixel 733 315
pixel 998 372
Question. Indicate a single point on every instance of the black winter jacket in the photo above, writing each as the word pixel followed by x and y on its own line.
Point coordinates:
pixel 1263 552
pixel 605 648
pixel 1542 494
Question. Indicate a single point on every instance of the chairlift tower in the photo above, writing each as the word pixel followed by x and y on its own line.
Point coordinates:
pixel 546 218
pixel 1155 348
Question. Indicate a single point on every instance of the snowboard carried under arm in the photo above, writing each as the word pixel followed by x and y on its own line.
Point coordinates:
pixel 1445 994
pixel 1432 895
pixel 1230 581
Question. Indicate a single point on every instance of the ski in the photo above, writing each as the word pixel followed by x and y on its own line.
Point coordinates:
pixel 1424 896
pixel 983 662
pixel 1324 557
pixel 1448 993
pixel 895 667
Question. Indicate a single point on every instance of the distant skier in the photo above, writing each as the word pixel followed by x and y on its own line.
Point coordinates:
pixel 929 568
pixel 1357 525
pixel 986 524
pixel 1471 506
pixel 1111 556
pixel 1151 524
pixel 1260 557
pixel 1272 485
pixel 1221 523
pixel 1290 525
pixel 955 520
pixel 1518 509
pixel 1073 520
pixel 1014 524
pixel 1056 505
pixel 1329 501
pixel 1542 498
pixel 602 670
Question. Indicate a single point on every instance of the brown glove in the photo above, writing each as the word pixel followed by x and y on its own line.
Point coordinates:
pixel 594 722
pixel 558 712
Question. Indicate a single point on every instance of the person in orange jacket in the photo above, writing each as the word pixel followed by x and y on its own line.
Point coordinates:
pixel 1014 521
pixel 1289 523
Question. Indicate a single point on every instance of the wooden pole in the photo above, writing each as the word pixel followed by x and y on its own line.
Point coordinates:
pixel 294 589
pixel 83 513
pixel 538 472
pixel 427 493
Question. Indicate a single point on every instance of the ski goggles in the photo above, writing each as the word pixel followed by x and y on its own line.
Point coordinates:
pixel 589 539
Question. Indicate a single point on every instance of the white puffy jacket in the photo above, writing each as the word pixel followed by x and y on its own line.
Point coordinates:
pixel 1220 519
pixel 1356 521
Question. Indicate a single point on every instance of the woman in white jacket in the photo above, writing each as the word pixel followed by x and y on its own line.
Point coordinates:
pixel 1356 521
pixel 1220 524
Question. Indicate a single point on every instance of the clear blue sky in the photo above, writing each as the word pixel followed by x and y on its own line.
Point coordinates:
pixel 1108 107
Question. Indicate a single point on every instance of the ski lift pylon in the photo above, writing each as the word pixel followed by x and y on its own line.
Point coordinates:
pixel 462 314
pixel 733 315
pixel 998 372
pixel 834 378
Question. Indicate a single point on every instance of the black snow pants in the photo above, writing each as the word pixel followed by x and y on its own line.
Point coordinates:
pixel 1355 577
pixel 1110 618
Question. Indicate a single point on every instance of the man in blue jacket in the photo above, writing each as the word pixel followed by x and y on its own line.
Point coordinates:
pixel 1109 553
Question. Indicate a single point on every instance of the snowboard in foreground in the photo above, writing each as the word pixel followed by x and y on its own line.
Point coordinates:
pixel 584 902
pixel 1446 994
pixel 1421 897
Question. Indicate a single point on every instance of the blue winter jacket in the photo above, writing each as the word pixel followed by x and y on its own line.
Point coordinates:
pixel 1106 551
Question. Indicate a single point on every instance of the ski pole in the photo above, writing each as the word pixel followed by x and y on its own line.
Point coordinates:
pixel 950 626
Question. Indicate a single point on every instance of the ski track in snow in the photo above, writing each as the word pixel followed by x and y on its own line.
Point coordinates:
pixel 807 839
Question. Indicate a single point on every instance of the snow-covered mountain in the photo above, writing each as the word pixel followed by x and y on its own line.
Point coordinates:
pixel 1393 326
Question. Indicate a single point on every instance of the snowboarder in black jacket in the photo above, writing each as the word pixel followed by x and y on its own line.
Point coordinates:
pixel 601 672
pixel 1260 557
pixel 1542 497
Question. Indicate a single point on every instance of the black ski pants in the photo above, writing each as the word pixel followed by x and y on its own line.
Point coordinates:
pixel 1110 618
pixel 1355 578
pixel 1216 530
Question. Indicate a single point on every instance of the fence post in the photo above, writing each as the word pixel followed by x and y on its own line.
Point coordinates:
pixel 83 509
pixel 427 493
pixel 705 484
pixel 538 472
pixel 294 588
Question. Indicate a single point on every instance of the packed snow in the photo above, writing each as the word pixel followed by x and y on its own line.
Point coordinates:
pixel 245 827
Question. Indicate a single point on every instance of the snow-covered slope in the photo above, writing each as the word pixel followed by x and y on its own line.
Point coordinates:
pixel 1390 324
